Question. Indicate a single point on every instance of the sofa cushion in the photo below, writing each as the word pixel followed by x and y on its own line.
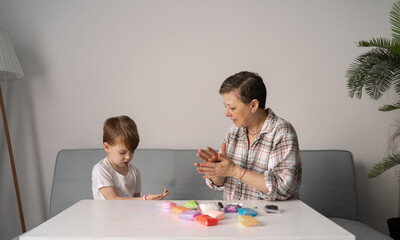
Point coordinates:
pixel 328 184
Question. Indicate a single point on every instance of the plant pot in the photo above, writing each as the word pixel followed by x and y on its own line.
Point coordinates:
pixel 394 227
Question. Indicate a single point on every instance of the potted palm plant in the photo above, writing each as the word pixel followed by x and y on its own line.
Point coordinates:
pixel 375 71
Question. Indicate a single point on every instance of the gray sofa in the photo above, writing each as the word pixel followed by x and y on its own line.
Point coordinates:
pixel 328 183
pixel 329 186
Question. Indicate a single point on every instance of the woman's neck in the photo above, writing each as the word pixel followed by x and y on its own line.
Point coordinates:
pixel 257 124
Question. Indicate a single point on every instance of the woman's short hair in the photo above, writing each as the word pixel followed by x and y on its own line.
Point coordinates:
pixel 250 86
pixel 123 130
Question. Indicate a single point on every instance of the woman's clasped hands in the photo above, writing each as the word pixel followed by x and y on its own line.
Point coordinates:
pixel 215 165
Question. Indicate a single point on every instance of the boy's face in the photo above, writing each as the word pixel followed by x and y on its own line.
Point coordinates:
pixel 118 155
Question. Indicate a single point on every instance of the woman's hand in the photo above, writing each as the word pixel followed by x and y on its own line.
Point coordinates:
pixel 215 164
pixel 157 196
pixel 211 155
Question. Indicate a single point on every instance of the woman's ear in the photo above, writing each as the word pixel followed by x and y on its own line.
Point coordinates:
pixel 254 105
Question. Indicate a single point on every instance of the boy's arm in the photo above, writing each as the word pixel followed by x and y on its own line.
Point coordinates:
pixel 110 194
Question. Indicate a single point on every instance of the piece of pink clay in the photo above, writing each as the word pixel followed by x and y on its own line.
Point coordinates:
pixel 215 214
pixel 168 205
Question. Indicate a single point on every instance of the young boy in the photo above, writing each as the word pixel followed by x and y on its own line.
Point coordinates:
pixel 113 178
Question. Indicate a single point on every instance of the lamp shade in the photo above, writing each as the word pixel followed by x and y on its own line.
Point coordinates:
pixel 10 68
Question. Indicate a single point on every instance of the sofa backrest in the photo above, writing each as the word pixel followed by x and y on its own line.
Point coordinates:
pixel 328 184
pixel 160 168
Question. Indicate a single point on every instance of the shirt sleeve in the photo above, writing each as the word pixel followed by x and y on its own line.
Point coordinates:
pixel 283 176
pixel 101 177
pixel 211 185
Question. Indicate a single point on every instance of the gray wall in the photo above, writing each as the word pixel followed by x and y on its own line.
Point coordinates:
pixel 162 62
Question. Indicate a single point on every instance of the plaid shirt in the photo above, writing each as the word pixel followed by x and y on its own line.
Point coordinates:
pixel 274 153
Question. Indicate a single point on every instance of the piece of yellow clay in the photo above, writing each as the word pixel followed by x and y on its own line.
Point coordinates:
pixel 248 221
pixel 180 209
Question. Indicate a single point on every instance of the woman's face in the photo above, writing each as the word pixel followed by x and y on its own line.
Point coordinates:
pixel 239 112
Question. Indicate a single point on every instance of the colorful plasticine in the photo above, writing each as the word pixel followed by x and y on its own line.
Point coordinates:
pixel 192 204
pixel 206 220
pixel 247 211
pixel 215 214
pixel 189 215
pixel 210 214
pixel 248 221
pixel 180 209
pixel 208 206
pixel 232 208
pixel 168 205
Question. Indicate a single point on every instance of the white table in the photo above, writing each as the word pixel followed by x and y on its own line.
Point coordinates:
pixel 99 219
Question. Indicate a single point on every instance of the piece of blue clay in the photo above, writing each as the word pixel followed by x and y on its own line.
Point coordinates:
pixel 247 211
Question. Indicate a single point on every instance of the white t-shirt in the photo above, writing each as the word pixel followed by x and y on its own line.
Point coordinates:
pixel 104 175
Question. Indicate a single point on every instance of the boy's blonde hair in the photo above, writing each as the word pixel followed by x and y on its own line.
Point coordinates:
pixel 123 130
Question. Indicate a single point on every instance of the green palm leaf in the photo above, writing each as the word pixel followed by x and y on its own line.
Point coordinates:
pixel 395 21
pixel 396 79
pixel 387 163
pixel 376 42
pixel 372 70
pixel 377 81
pixel 358 73
pixel 387 108
pixel 392 45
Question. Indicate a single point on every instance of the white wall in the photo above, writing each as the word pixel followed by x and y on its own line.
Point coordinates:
pixel 162 62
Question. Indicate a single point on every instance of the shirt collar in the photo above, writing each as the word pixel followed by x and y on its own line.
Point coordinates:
pixel 268 123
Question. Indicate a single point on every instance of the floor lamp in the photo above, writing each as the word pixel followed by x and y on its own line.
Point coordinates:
pixel 10 69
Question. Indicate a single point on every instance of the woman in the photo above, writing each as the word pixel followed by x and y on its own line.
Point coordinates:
pixel 260 157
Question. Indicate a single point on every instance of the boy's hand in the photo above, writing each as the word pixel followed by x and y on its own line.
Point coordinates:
pixel 157 196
